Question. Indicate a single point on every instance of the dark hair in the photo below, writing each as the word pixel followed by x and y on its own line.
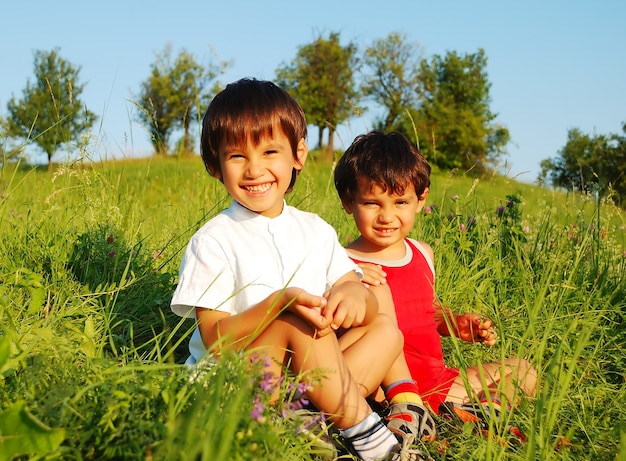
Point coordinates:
pixel 249 109
pixel 388 160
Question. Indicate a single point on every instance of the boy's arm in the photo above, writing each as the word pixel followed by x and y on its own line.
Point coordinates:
pixel 222 330
pixel 350 303
pixel 468 327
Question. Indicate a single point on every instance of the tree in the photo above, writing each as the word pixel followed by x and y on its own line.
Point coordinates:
pixel 390 77
pixel 173 95
pixel 321 79
pixel 50 112
pixel 454 114
pixel 587 163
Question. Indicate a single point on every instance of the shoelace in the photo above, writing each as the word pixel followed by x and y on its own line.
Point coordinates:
pixel 407 453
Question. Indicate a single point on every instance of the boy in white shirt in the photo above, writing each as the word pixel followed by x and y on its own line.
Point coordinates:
pixel 268 277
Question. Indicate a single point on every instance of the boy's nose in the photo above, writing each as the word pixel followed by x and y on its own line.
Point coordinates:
pixel 386 216
pixel 254 169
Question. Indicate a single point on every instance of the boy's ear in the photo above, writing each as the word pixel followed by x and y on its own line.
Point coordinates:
pixel 421 200
pixel 346 206
pixel 217 174
pixel 302 151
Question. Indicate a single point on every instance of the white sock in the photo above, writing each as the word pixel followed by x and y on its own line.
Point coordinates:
pixel 370 438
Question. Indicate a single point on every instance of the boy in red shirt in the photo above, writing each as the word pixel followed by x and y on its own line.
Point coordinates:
pixel 383 181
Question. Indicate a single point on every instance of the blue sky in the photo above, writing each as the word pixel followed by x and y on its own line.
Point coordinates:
pixel 553 65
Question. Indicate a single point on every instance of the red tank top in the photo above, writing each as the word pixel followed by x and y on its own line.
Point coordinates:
pixel 412 289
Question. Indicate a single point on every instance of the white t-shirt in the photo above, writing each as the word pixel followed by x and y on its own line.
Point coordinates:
pixel 239 258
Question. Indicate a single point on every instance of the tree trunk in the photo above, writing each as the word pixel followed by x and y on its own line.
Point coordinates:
pixel 330 150
pixel 187 142
pixel 320 140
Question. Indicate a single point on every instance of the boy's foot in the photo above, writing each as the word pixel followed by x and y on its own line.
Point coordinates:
pixel 404 419
pixel 480 415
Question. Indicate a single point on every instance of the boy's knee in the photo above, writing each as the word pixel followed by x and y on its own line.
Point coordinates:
pixel 392 334
pixel 527 376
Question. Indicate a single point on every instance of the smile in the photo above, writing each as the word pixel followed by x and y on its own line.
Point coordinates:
pixel 259 188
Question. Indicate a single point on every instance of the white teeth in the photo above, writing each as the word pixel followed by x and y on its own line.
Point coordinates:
pixel 259 188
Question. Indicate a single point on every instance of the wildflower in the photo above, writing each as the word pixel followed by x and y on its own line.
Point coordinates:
pixel 510 204
pixel 112 254
pixel 257 410
pixel 526 229
pixel 267 383
pixel 133 253
pixel 471 221
pixel 428 210
pixel 110 239
pixel 157 255
pixel 462 227
pixel 455 197
pixel 500 210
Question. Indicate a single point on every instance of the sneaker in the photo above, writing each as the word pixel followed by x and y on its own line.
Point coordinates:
pixel 404 419
pixel 405 452
pixel 480 415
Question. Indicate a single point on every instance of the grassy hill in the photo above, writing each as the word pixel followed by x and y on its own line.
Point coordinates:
pixel 90 354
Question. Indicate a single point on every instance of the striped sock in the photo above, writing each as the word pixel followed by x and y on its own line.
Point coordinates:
pixel 370 438
pixel 403 392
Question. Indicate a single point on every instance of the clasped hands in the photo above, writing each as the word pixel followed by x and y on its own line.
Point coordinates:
pixel 343 306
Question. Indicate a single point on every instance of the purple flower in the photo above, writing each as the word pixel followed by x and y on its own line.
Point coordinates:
pixel 112 254
pixel 258 409
pixel 500 210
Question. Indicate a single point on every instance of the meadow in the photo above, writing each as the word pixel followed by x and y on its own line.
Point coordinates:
pixel 90 354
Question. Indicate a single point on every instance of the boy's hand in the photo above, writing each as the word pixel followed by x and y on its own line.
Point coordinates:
pixel 309 307
pixel 476 328
pixel 346 305
pixel 373 274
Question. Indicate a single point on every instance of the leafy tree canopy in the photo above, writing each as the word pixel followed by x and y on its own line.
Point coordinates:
pixel 391 76
pixel 454 117
pixel 587 163
pixel 50 112
pixel 173 96
pixel 321 79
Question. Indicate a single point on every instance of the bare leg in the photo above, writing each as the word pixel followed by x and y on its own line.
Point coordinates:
pixel 337 395
pixel 495 379
pixel 399 369
pixel 379 342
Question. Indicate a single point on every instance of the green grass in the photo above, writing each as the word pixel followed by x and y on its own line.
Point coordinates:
pixel 90 353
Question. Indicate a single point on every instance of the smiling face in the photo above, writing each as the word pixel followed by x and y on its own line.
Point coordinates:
pixel 258 176
pixel 383 218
